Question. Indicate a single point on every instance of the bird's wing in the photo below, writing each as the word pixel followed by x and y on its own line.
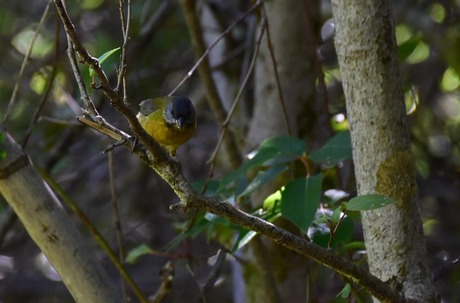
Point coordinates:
pixel 148 106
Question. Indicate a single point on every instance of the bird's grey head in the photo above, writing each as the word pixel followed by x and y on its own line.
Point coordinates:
pixel 180 111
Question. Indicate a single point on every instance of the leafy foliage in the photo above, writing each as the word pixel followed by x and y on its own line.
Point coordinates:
pixel 297 200
pixel 336 149
pixel 300 200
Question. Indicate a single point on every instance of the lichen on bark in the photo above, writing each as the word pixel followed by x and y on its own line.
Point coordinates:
pixel 395 177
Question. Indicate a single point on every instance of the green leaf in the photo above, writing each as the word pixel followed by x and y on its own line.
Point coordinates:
pixel 101 60
pixel 271 152
pixel 356 245
pixel 320 234
pixel 271 206
pixel 345 292
pixel 335 150
pixel 263 177
pixel 300 200
pixel 406 48
pixel 289 148
pixel 137 252
pixel 259 159
pixel 368 202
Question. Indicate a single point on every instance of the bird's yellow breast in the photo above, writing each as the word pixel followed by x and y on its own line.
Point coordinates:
pixel 168 136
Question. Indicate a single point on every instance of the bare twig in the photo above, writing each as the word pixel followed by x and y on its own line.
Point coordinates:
pixel 90 108
pixel 206 52
pixel 117 220
pixel 48 88
pixel 275 70
pixel 24 63
pixel 213 157
pixel 167 276
pixel 125 22
pixel 312 42
pixel 206 74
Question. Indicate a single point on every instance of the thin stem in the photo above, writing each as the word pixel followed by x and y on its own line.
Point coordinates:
pixel 117 221
pixel 276 73
pixel 24 63
pixel 48 88
pixel 206 52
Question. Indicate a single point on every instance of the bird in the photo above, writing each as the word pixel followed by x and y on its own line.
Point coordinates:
pixel 169 120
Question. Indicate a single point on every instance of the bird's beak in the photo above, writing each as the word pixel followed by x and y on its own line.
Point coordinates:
pixel 180 122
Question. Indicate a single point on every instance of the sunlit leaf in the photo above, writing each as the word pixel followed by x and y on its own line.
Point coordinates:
pixel 300 200
pixel 335 150
pixel 437 12
pixel 420 53
pixel 345 292
pixel 101 60
pixel 450 80
pixel 407 48
pixel 355 245
pixel 368 202
pixel 272 206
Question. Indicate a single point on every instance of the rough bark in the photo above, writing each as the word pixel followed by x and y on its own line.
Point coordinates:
pixel 366 48
pixel 48 225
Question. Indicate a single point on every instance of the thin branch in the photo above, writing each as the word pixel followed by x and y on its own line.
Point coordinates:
pixel 125 23
pixel 213 157
pixel 207 51
pixel 312 42
pixel 328 258
pixel 48 88
pixel 90 108
pixel 167 276
pixel 206 73
pixel 24 63
pixel 275 70
pixel 117 221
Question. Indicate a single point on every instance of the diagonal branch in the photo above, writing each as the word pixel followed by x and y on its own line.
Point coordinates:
pixel 205 72
pixel 169 171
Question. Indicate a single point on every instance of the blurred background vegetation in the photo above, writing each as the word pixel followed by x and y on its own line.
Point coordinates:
pixel 159 56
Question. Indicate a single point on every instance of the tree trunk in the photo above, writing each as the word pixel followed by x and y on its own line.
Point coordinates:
pixel 48 225
pixel 366 48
